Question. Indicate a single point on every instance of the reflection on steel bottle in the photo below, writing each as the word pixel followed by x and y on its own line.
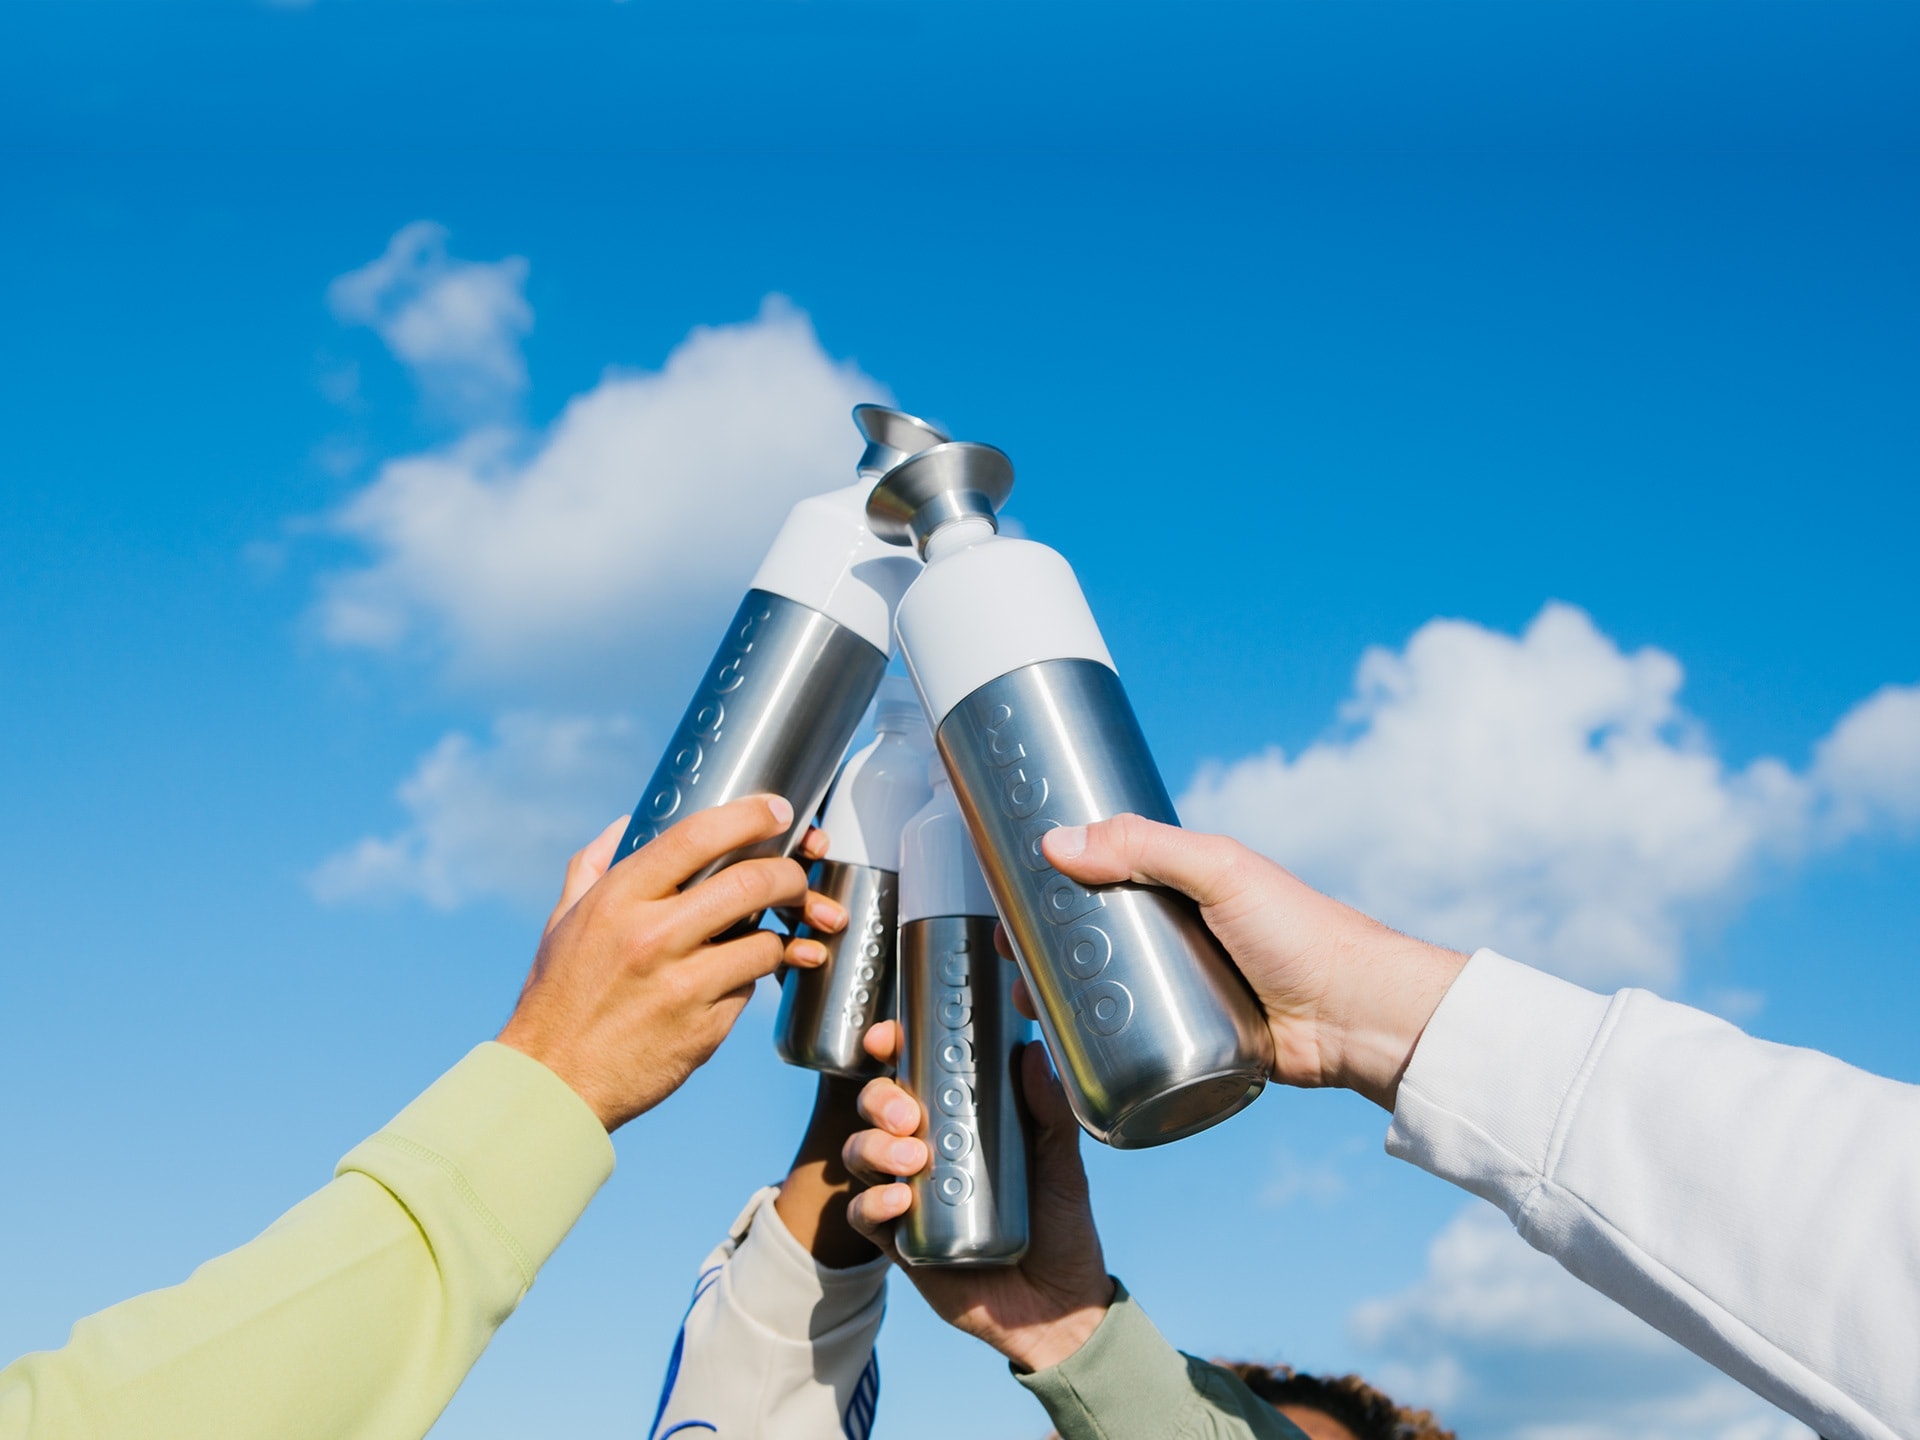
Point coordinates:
pixel 825 1012
pixel 784 693
pixel 960 1045
pixel 1153 1031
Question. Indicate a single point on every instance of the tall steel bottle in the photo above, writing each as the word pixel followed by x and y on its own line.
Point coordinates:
pixel 825 1012
pixel 803 655
pixel 1153 1031
pixel 960 1041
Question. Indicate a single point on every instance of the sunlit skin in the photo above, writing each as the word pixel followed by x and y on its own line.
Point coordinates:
pixel 1346 1000
pixel 631 991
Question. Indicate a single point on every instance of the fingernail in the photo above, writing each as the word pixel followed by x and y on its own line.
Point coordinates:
pixel 907 1157
pixel 826 915
pixel 782 811
pixel 902 1113
pixel 809 950
pixel 1067 841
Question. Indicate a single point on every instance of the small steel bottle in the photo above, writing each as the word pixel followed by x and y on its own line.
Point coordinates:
pixel 825 1012
pixel 960 1041
pixel 1153 1031
pixel 803 655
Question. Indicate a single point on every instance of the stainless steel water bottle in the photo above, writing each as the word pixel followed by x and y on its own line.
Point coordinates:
pixel 825 1012
pixel 960 1040
pixel 803 655
pixel 1153 1031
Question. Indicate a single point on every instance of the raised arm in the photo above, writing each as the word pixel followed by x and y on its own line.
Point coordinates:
pixel 358 1312
pixel 778 1340
pixel 1754 1202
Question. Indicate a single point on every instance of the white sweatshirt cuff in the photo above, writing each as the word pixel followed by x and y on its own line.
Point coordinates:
pixel 774 1279
pixel 1494 1078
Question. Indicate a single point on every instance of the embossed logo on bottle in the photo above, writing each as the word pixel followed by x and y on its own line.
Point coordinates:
pixel 1103 1007
pixel 865 951
pixel 955 1105
pixel 700 731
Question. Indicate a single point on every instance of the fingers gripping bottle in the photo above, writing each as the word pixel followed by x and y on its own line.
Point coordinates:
pixel 825 1012
pixel 960 1039
pixel 801 659
pixel 1153 1031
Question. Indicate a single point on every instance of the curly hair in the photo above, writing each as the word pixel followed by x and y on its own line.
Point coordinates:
pixel 1348 1399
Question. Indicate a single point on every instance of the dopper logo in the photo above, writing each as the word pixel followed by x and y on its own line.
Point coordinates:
pixel 857 1013
pixel 954 1101
pixel 1103 1006
pixel 701 728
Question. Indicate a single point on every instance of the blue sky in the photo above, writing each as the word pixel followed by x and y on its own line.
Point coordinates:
pixel 1586 330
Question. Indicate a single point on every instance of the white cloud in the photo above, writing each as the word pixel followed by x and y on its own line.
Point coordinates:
pixel 1291 1178
pixel 456 324
pixel 649 499
pixel 1506 1345
pixel 495 817
pixel 1868 768
pixel 1547 794
pixel 570 567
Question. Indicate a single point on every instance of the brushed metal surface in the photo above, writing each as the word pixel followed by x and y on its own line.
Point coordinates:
pixel 775 711
pixel 940 484
pixel 891 436
pixel 960 1038
pixel 825 1013
pixel 1154 1032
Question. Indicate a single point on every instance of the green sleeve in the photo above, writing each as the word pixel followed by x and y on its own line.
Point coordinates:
pixel 1128 1383
pixel 359 1311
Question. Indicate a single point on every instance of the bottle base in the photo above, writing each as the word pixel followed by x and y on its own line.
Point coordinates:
pixel 1186 1110
pixel 964 1262
pixel 865 1068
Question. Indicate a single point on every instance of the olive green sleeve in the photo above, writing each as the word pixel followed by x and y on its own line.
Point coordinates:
pixel 358 1312
pixel 1128 1383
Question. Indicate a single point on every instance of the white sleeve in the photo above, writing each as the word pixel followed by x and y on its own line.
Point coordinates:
pixel 1758 1203
pixel 774 1346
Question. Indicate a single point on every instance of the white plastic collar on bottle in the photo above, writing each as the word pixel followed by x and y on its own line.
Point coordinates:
pixel 939 873
pixel 881 787
pixel 827 559
pixel 982 609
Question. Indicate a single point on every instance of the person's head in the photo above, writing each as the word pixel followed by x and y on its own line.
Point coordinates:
pixel 1343 1408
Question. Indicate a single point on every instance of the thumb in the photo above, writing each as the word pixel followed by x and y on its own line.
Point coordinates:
pixel 587 866
pixel 1131 847
pixel 1056 1132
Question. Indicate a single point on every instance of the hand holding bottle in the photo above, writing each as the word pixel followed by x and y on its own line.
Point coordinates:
pixel 1345 997
pixel 630 992
pixel 1038 1312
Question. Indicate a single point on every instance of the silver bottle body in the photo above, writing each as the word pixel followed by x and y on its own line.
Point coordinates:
pixel 825 1012
pixel 960 1041
pixel 775 711
pixel 1153 1031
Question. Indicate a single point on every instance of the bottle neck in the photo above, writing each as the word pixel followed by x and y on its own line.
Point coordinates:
pixel 958 535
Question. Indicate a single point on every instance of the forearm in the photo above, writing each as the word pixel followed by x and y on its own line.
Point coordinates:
pixel 813 1198
pixel 1752 1201
pixel 359 1311
pixel 1128 1383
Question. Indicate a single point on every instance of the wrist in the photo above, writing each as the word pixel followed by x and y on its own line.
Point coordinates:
pixel 528 1043
pixel 1392 984
pixel 1052 1342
